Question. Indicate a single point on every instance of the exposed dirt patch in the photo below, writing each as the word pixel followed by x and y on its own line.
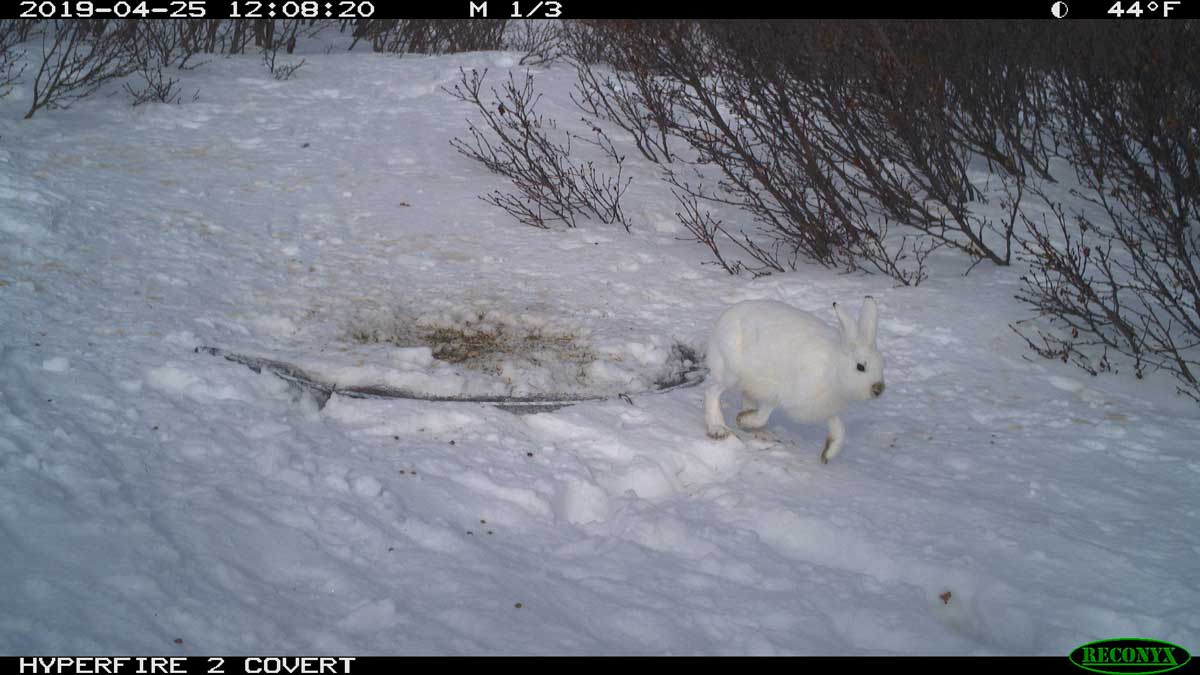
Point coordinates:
pixel 483 341
pixel 531 355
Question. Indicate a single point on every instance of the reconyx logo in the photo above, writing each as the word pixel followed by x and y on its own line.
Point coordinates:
pixel 1130 656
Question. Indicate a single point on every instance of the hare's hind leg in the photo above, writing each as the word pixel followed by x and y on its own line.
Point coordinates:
pixel 754 413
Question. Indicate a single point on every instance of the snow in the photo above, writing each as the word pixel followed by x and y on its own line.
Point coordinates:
pixel 149 492
pixel 56 365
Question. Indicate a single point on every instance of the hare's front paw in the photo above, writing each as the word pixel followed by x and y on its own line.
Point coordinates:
pixel 834 441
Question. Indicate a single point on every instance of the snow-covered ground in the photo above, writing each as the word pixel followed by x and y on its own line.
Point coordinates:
pixel 158 500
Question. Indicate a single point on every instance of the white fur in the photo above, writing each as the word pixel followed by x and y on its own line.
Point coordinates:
pixel 783 357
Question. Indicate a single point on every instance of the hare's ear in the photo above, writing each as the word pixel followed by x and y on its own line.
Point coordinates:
pixel 849 330
pixel 868 321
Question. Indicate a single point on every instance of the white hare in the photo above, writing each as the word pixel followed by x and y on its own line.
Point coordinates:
pixel 780 356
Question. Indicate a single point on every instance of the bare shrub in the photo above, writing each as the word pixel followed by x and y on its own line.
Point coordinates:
pixel 269 37
pixel 155 46
pixel 12 64
pixel 597 41
pixel 16 31
pixel 631 98
pixel 1121 275
pixel 876 112
pixel 850 144
pixel 521 145
pixel 724 90
pixel 999 106
pixel 78 57
pixel 188 37
pixel 540 40
pixel 166 43
pixel 710 231
pixel 947 95
pixel 156 87
pixel 286 71
pixel 237 35
pixel 430 36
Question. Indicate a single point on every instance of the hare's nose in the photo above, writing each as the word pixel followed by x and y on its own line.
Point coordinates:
pixel 877 388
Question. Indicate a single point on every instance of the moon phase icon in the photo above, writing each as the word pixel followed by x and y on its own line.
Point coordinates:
pixel 1059 9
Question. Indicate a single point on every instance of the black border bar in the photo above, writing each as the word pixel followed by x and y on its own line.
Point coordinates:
pixel 1131 11
pixel 373 665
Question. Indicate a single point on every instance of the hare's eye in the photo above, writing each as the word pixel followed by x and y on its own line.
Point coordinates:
pixel 862 367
